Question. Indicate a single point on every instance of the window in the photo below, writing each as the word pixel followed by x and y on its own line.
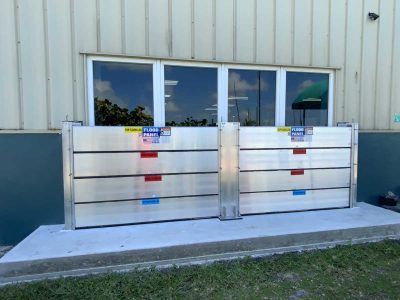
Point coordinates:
pixel 145 92
pixel 190 96
pixel 122 93
pixel 307 96
pixel 252 97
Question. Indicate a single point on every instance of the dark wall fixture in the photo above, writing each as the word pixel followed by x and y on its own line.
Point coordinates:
pixel 373 16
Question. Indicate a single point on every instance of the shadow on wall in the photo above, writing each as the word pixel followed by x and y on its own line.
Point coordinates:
pixel 379 165
pixel 31 185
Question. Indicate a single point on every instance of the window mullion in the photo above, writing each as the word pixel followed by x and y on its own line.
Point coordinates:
pixel 158 93
pixel 281 98
pixel 222 93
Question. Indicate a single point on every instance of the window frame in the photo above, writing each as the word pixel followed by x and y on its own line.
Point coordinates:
pixel 174 63
pixel 90 81
pixel 259 68
pixel 331 87
pixel 222 85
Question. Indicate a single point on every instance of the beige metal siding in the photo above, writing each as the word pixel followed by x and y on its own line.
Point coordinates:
pixel 43 72
pixel 224 30
pixel 9 86
pixel 395 96
pixel 302 32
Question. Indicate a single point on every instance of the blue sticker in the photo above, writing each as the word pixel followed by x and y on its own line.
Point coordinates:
pixel 151 131
pixel 150 201
pixel 296 131
pixel 299 192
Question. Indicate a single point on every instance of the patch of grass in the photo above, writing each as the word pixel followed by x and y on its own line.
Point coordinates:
pixel 359 271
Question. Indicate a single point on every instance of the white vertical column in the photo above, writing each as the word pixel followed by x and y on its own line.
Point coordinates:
pixel 158 93
pixel 222 93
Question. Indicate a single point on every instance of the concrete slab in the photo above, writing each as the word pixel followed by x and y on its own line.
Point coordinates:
pixel 51 251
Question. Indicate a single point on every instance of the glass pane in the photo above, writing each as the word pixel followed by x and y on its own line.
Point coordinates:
pixel 307 99
pixel 123 94
pixel 251 97
pixel 190 96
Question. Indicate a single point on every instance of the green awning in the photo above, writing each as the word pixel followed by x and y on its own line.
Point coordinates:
pixel 313 97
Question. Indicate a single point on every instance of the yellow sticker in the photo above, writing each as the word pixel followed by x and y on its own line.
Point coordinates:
pixel 133 129
pixel 283 129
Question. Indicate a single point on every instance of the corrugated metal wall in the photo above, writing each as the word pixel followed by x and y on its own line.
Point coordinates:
pixel 42 72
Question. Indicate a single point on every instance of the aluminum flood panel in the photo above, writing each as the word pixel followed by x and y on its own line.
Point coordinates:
pixel 283 180
pixel 106 164
pixel 286 159
pixel 111 138
pixel 253 203
pixel 138 187
pixel 270 137
pixel 140 211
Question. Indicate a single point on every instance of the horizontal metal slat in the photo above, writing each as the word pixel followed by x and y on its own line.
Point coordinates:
pixel 254 203
pixel 270 137
pixel 283 180
pixel 116 213
pixel 106 164
pixel 285 159
pixel 109 189
pixel 114 138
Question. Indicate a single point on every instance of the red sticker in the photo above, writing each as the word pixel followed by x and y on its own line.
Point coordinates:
pixel 148 154
pixel 297 172
pixel 153 178
pixel 299 151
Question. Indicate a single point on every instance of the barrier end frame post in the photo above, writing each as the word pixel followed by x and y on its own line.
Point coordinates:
pixel 68 173
pixel 354 164
pixel 228 173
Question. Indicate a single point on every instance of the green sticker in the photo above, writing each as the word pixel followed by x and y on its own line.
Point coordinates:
pixel 397 118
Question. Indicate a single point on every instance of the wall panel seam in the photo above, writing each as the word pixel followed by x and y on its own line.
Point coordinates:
pixel 342 109
pixel 170 46
pixel 147 41
pixel 274 55
pixel 47 63
pixel 98 32
pixel 192 41
pixel 292 16
pixel 377 65
pixel 360 107
pixel 214 41
pixel 391 65
pixel 19 63
pixel 329 31
pixel 311 60
pixel 123 27
pixel 255 20
pixel 73 60
pixel 234 29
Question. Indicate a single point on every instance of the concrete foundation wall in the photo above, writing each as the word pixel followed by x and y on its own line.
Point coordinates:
pixel 379 165
pixel 31 186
